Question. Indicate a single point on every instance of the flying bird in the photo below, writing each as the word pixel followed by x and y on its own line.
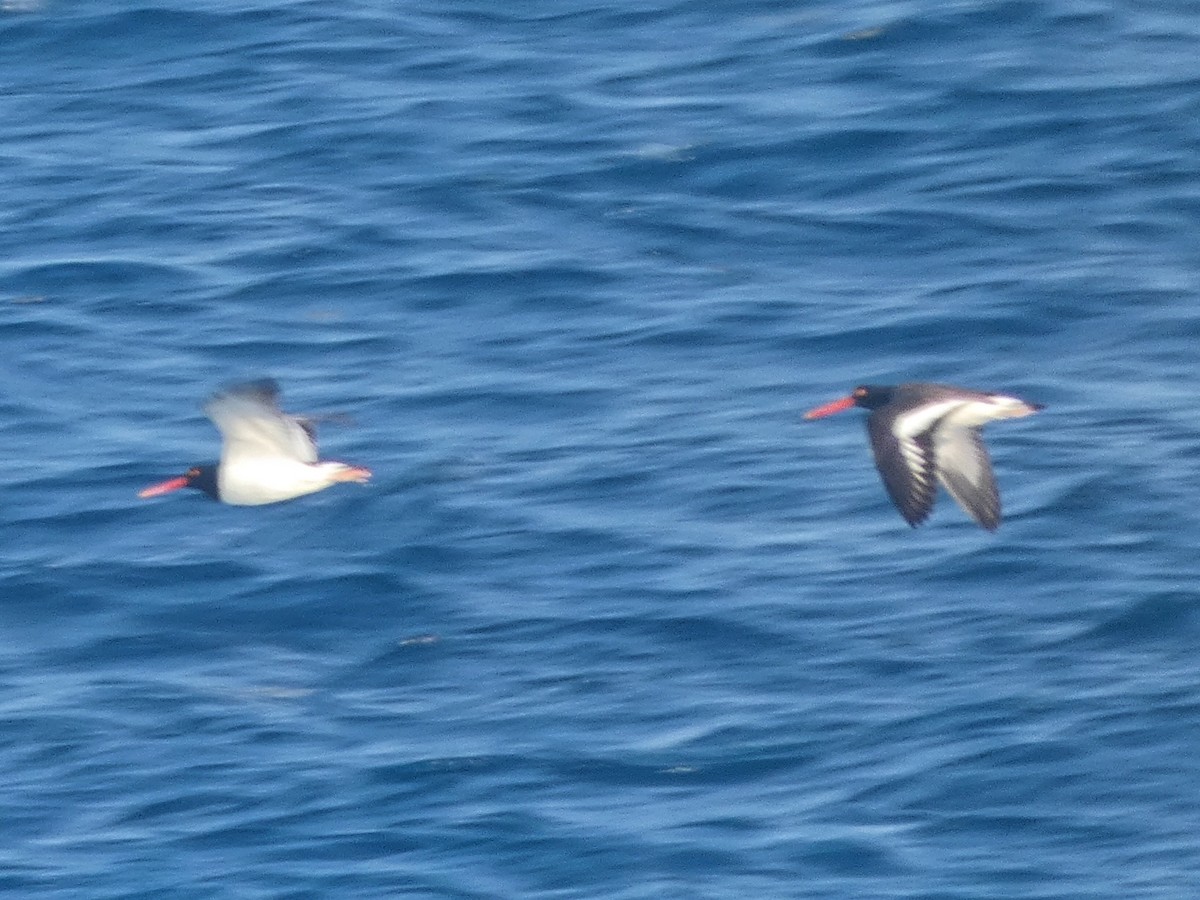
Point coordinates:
pixel 266 455
pixel 925 433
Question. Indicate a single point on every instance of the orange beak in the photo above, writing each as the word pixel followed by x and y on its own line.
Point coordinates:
pixel 830 408
pixel 164 487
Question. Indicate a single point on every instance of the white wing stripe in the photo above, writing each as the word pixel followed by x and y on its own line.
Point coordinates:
pixel 920 419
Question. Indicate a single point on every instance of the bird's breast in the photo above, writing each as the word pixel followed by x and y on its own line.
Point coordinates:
pixel 253 482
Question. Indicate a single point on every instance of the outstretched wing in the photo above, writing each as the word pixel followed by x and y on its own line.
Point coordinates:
pixel 964 467
pixel 907 466
pixel 253 427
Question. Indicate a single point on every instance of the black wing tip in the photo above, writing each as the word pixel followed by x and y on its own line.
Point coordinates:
pixel 984 511
pixel 266 389
pixel 308 426
pixel 915 509
pixel 255 386
pixel 917 506
pixel 989 523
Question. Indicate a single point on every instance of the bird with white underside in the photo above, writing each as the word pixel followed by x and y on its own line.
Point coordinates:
pixel 922 434
pixel 267 456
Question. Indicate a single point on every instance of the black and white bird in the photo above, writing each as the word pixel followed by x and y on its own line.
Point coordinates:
pixel 925 433
pixel 266 455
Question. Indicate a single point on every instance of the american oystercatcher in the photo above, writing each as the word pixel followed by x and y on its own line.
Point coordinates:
pixel 923 433
pixel 266 455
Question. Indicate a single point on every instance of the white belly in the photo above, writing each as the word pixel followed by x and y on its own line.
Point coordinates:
pixel 253 482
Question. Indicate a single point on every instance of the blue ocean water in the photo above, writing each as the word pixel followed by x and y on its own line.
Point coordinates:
pixel 611 620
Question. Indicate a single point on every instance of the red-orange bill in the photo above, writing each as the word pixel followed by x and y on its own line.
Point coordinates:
pixel 830 408
pixel 163 487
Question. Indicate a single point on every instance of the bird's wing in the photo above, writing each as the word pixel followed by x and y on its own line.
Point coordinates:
pixel 906 463
pixel 253 427
pixel 964 467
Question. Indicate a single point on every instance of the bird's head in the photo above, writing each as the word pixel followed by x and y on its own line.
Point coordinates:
pixel 202 478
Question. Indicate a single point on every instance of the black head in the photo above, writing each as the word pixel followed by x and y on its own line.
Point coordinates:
pixel 202 478
pixel 873 396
